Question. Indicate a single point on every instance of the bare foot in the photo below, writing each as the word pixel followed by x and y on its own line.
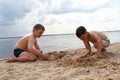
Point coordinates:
pixel 12 60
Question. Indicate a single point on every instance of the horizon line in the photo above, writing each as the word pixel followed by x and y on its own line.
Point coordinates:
pixel 7 37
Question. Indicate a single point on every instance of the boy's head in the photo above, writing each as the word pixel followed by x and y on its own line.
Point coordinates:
pixel 80 31
pixel 38 30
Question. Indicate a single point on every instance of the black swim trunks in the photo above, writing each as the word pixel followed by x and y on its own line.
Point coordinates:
pixel 18 51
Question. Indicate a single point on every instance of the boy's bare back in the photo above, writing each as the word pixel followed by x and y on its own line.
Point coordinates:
pixel 23 42
pixel 94 35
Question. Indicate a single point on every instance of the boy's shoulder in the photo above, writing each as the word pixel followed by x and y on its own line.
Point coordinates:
pixel 28 36
pixel 25 36
pixel 95 32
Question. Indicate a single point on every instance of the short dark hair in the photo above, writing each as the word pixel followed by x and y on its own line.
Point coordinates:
pixel 80 31
pixel 39 26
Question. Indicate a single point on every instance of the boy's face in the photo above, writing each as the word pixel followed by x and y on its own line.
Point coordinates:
pixel 38 33
pixel 84 36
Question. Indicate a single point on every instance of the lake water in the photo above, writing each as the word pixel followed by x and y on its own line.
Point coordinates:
pixel 50 43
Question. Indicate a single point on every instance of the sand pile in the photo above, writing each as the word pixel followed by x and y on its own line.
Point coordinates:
pixel 73 58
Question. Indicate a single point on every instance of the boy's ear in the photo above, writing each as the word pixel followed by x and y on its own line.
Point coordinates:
pixel 86 32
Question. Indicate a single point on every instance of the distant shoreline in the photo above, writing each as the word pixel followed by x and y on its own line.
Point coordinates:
pixel 7 37
pixel 64 50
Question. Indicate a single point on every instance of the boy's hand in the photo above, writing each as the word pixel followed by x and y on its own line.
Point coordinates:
pixel 45 58
pixel 85 53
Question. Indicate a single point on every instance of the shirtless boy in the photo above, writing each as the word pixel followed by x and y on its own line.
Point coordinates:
pixel 27 49
pixel 99 40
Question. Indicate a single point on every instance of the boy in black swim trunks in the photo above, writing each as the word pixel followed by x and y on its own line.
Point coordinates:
pixel 27 49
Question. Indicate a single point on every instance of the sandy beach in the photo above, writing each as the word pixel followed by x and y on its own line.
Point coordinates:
pixel 66 65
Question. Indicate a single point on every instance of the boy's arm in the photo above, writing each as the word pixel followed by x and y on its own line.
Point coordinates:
pixel 87 45
pixel 88 48
pixel 32 49
pixel 37 46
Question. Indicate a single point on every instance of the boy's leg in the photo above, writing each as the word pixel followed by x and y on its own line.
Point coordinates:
pixel 105 44
pixel 27 56
pixel 23 57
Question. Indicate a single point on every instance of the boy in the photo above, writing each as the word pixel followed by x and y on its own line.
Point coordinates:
pixel 27 49
pixel 99 40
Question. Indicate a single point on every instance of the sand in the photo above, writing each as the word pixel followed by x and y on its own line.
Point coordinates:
pixel 66 65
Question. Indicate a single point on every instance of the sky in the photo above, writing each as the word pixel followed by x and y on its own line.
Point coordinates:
pixel 17 17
